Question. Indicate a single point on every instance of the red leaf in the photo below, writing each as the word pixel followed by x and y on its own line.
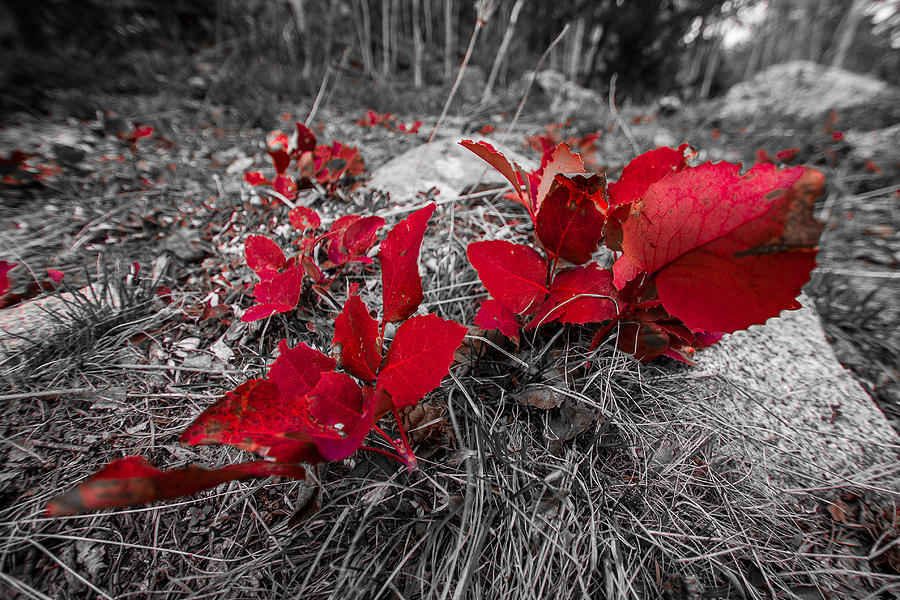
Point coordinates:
pixel 645 170
pixel 133 480
pixel 263 256
pixel 351 237
pixel 276 294
pixel 356 340
pixel 303 218
pixel 788 155
pixel 346 413
pixel 53 274
pixel 5 268
pixel 280 159
pixel 560 161
pixel 399 256
pixel 285 185
pixel 255 178
pixel 254 417
pixel 726 251
pixel 569 224
pixel 513 274
pixel 487 153
pixel 762 156
pixel 493 314
pixel 579 295
pixel 297 370
pixel 646 340
pixel 419 357
pixel 624 271
pixel 306 140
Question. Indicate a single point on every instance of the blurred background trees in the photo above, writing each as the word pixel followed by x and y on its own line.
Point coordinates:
pixel 228 48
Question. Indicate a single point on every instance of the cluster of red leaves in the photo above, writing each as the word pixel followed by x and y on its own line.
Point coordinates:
pixel 585 145
pixel 281 279
pixel 700 251
pixel 304 410
pixel 19 169
pixel 33 288
pixel 301 164
pixel 389 122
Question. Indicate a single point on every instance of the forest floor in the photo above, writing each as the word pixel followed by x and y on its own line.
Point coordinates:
pixel 121 371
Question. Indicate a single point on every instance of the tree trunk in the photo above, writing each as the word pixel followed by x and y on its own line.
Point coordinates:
pixel 575 51
pixel 300 18
pixel 715 52
pixel 501 52
pixel 845 32
pixel 815 33
pixel 385 38
pixel 418 45
pixel 596 45
pixel 395 36
pixel 364 31
pixel 448 40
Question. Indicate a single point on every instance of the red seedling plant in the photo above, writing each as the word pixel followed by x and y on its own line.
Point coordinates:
pixel 301 164
pixel 348 240
pixel 698 251
pixel 305 410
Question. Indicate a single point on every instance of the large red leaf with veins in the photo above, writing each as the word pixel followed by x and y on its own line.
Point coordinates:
pixel 419 357
pixel 255 417
pixel 579 295
pixel 133 480
pixel 726 251
pixel 263 256
pixel 356 340
pixel 351 237
pixel 569 224
pixel 297 370
pixel 493 314
pixel 399 256
pixel 514 274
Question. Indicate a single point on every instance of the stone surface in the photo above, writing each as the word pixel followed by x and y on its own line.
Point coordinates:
pixel 802 89
pixel 445 165
pixel 805 419
pixel 567 98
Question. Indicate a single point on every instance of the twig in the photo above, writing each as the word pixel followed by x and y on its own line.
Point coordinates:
pixel 615 111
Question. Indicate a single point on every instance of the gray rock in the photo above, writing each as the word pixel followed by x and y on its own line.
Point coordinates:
pixel 805 419
pixel 445 165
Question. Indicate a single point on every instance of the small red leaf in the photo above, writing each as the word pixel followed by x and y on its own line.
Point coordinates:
pixel 788 155
pixel 280 159
pixel 255 178
pixel 306 140
pixel 646 340
pixel 418 359
pixel 569 224
pixel 579 295
pixel 399 256
pixel 297 370
pixel 5 268
pixel 624 271
pixel 351 237
pixel 285 185
pixel 55 275
pixel 132 480
pixel 263 256
pixel 356 340
pixel 303 218
pixel 487 153
pixel 726 251
pixel 493 314
pixel 513 274
pixel 561 161
pixel 280 292
pixel 644 170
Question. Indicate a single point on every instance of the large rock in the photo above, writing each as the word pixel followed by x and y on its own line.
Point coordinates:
pixel 802 89
pixel 805 418
pixel 567 98
pixel 444 165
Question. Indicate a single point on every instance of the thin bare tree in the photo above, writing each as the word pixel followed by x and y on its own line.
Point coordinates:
pixel 501 52
pixel 418 44
pixel 364 31
pixel 846 31
pixel 448 39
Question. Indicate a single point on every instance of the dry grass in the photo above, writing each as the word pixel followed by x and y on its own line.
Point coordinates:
pixel 635 487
